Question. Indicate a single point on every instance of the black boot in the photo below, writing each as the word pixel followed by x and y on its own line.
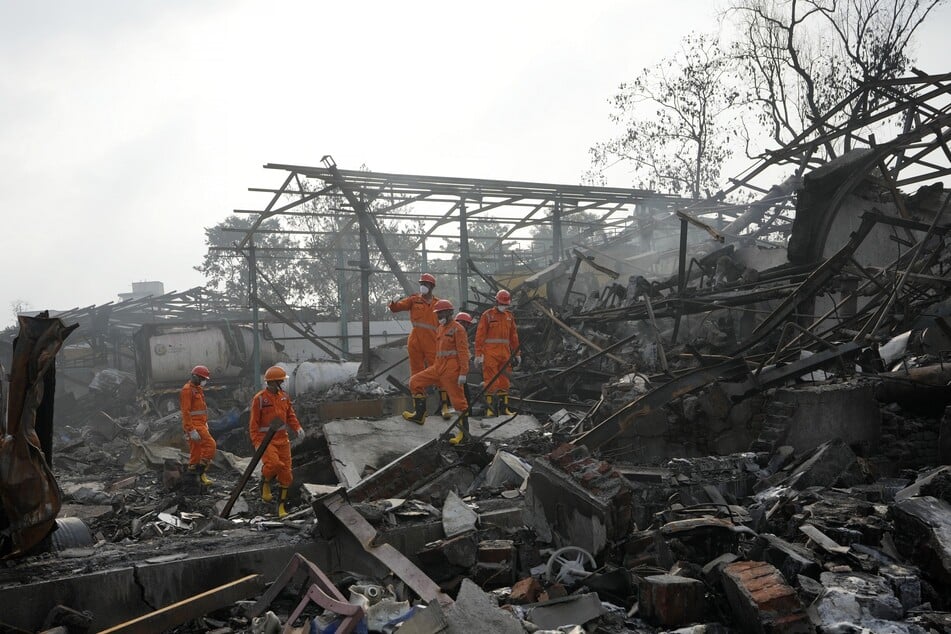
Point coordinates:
pixel 490 412
pixel 419 415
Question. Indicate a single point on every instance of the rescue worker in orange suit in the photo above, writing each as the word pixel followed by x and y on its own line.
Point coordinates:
pixel 270 403
pixel 449 372
pixel 421 344
pixel 496 340
pixel 195 423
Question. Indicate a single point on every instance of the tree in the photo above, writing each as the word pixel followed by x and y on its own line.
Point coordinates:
pixel 308 259
pixel 678 118
pixel 801 57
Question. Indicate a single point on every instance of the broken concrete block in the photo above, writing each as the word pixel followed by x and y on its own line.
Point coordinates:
pixel 457 517
pixel 449 555
pixel 914 488
pixel 857 598
pixel 762 601
pixel 827 412
pixel 824 466
pixel 525 591
pixel 713 569
pixel 475 607
pixel 574 610
pixel 790 559
pixel 510 518
pixel 575 500
pixel 671 600
pixel 923 532
pixel 904 582
pixel 506 470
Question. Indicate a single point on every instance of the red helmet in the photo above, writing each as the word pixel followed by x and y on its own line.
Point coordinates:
pixel 427 279
pixel 442 304
pixel 503 297
pixel 275 373
pixel 464 317
pixel 202 371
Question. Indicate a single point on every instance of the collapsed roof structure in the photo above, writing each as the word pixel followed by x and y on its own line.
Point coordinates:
pixel 743 401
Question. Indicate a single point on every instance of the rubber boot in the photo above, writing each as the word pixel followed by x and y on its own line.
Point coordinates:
pixel 489 412
pixel 266 494
pixel 444 410
pixel 418 416
pixel 503 404
pixel 204 476
pixel 281 511
pixel 462 430
pixel 191 484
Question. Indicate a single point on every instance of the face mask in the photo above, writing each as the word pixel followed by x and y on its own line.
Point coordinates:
pixel 423 289
pixel 442 321
pixel 502 309
pixel 202 381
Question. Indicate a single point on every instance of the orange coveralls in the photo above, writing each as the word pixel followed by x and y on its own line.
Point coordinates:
pixel 452 361
pixel 421 344
pixel 195 417
pixel 277 457
pixel 496 338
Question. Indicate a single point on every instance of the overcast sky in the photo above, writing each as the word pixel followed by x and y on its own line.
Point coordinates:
pixel 128 127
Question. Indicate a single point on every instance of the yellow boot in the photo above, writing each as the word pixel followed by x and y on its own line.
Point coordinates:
pixel 281 511
pixel 419 415
pixel 204 476
pixel 462 430
pixel 444 410
pixel 489 412
pixel 266 494
pixel 504 404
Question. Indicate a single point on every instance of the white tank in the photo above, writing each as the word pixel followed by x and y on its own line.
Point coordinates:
pixel 315 376
pixel 270 355
pixel 291 369
pixel 174 354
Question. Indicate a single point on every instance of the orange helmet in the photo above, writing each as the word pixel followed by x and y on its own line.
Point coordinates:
pixel 275 373
pixel 442 304
pixel 464 317
pixel 202 371
pixel 427 279
pixel 503 297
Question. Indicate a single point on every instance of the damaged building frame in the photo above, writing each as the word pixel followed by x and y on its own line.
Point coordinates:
pixel 731 417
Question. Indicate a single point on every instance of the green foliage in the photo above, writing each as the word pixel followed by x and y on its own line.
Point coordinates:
pixel 311 261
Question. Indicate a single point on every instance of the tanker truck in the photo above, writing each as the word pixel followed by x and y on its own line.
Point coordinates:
pixel 166 353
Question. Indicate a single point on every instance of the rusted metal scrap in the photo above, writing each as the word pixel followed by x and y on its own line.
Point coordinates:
pixel 28 491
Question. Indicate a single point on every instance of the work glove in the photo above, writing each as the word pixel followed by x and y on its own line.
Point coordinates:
pixel 517 361
pixel 194 436
pixel 300 435
pixel 462 379
pixel 478 361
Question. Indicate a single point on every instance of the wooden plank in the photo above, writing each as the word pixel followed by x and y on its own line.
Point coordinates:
pixel 824 541
pixel 192 607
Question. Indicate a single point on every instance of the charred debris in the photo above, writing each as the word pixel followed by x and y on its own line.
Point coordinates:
pixel 732 418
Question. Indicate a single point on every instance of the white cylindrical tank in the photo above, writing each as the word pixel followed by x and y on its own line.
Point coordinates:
pixel 174 354
pixel 270 354
pixel 314 376
pixel 291 369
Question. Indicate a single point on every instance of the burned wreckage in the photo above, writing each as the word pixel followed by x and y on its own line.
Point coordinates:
pixel 730 418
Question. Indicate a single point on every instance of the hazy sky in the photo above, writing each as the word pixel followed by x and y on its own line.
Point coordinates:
pixel 128 127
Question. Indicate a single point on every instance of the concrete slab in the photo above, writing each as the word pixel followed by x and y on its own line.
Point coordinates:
pixel 356 444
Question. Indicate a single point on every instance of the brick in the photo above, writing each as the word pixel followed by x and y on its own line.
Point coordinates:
pixel 762 601
pixel 672 601
pixel 525 591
